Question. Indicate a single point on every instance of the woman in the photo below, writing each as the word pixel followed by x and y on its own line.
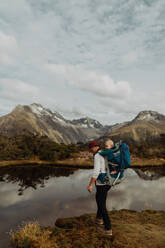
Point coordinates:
pixel 102 188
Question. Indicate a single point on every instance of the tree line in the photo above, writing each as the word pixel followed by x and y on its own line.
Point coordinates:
pixel 41 147
pixel 34 146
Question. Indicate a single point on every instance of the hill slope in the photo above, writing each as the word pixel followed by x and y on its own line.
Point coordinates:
pixel 146 127
pixel 36 119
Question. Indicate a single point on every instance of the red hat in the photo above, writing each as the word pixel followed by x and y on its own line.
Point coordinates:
pixel 93 144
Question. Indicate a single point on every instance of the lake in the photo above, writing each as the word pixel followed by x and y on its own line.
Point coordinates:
pixel 47 193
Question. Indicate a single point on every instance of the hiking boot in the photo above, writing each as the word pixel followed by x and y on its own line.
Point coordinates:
pixel 108 232
pixel 99 221
pixel 105 232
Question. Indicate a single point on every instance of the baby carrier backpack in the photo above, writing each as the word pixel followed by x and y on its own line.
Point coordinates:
pixel 119 162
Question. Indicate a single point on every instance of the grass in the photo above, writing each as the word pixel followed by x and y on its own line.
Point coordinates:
pixel 59 163
pixel 82 163
pixel 31 235
pixel 24 162
pixel 82 160
pixel 131 229
pixel 143 162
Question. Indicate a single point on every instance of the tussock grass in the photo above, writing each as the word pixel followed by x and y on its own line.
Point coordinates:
pixel 131 229
pixel 32 236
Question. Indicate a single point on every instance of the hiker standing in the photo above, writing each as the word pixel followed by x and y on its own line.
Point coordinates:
pixel 102 188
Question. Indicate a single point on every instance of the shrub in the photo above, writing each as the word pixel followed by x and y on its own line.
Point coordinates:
pixel 29 146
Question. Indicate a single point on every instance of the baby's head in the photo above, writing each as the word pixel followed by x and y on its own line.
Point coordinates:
pixel 109 144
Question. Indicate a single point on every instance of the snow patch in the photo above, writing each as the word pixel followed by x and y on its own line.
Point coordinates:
pixel 35 110
pixel 60 120
pixel 148 116
pixel 84 125
pixel 39 110
pixel 92 125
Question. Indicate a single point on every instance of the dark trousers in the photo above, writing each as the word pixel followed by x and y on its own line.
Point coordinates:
pixel 101 196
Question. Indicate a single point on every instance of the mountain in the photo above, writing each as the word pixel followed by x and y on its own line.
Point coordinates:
pixel 87 123
pixel 149 116
pixel 36 119
pixel 147 126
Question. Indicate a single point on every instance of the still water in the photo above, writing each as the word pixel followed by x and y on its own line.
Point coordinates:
pixel 47 193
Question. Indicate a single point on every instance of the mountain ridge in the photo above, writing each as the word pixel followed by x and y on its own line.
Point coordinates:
pixel 147 126
pixel 36 119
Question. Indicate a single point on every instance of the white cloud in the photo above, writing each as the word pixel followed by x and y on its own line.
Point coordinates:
pixel 14 92
pixel 97 51
pixel 130 58
pixel 18 12
pixel 14 89
pixel 8 48
pixel 95 82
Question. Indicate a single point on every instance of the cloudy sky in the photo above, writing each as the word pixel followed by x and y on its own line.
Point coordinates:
pixel 103 59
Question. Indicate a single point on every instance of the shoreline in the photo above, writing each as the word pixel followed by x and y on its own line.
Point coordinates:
pixel 130 229
pixel 82 164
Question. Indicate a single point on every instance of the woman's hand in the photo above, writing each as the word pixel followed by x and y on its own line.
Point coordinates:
pixel 92 181
pixel 90 188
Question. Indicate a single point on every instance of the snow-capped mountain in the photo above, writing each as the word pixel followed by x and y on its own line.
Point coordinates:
pixel 149 116
pixel 87 123
pixel 39 110
pixel 36 119
pixel 145 127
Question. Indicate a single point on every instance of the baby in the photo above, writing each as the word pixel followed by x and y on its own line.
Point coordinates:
pixel 109 154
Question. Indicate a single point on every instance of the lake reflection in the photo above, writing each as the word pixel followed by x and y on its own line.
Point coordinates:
pixel 31 177
pixel 47 193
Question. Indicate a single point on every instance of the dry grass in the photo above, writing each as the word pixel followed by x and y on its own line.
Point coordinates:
pixel 135 161
pixel 77 163
pixel 131 229
pixel 83 163
pixel 32 236
pixel 24 162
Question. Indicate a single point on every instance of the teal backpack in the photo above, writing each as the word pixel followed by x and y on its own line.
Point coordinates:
pixel 118 159
pixel 121 155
